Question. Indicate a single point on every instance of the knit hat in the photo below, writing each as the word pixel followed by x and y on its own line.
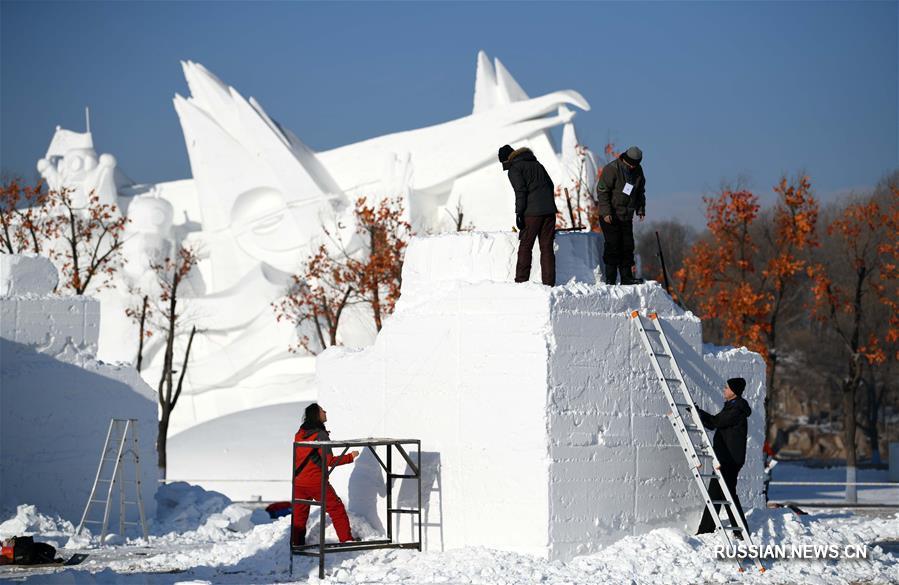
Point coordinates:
pixel 737 385
pixel 504 152
pixel 633 156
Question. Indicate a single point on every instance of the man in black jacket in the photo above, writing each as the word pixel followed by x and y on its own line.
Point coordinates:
pixel 621 192
pixel 535 211
pixel 730 427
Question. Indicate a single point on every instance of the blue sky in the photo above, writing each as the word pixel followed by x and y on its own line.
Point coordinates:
pixel 712 91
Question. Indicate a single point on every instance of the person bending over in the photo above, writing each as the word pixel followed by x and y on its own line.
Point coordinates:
pixel 731 427
pixel 535 211
pixel 620 193
pixel 307 485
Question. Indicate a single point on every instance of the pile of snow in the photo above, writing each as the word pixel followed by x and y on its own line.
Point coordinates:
pixel 26 274
pixel 188 511
pixel 663 555
pixel 29 522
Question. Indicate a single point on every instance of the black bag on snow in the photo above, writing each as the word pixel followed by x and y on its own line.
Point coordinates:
pixel 28 552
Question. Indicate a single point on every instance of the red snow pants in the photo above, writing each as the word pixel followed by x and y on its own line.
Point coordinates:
pixel 333 506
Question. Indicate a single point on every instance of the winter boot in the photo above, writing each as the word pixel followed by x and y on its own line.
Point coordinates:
pixel 611 273
pixel 627 276
pixel 298 538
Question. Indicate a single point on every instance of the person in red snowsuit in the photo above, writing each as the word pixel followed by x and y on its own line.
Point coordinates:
pixel 307 485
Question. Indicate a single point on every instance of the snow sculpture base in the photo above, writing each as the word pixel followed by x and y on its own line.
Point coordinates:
pixel 542 427
pixel 56 399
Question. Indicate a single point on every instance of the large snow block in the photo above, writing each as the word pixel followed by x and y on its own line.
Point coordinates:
pixel 491 256
pixel 56 401
pixel 543 428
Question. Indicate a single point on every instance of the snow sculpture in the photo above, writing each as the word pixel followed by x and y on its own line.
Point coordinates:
pixel 72 162
pixel 57 398
pixel 542 425
pixel 259 200
pixel 148 236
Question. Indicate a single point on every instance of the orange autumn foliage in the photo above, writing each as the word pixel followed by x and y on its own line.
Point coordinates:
pixel 866 271
pixel 333 278
pixel 741 274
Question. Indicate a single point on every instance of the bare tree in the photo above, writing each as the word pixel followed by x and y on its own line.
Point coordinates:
pixel 170 275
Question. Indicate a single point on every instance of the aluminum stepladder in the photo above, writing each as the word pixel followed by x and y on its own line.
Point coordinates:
pixel 699 452
pixel 121 442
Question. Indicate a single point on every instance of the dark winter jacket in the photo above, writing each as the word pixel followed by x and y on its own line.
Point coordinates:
pixel 730 426
pixel 534 190
pixel 311 473
pixel 610 196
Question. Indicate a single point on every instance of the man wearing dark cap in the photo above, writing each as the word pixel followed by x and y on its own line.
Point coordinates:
pixel 621 192
pixel 730 426
pixel 535 211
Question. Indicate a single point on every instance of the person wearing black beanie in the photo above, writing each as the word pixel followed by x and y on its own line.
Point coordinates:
pixel 535 211
pixel 731 429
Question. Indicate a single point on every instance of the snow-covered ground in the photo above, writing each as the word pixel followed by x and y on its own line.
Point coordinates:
pixel 796 472
pixel 201 537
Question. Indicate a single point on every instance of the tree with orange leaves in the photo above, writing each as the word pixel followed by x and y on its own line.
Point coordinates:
pixel 378 275
pixel 856 274
pixel 338 276
pixel 749 269
pixel 87 239
pixel 23 214
pixel 317 297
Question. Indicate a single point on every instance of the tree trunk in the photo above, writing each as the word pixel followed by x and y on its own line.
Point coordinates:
pixel 143 324
pixel 849 391
pixel 771 405
pixel 161 438
pixel 376 288
pixel 871 430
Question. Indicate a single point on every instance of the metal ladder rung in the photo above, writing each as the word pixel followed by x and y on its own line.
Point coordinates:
pixel 695 446
pixel 402 511
pixel 119 447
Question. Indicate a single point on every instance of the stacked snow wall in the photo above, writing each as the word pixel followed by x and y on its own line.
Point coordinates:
pixel 543 429
pixel 56 400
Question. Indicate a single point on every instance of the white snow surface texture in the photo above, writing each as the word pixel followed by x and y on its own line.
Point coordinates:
pixel 56 399
pixel 661 556
pixel 543 427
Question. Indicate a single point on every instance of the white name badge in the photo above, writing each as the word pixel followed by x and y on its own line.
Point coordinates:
pixel 628 188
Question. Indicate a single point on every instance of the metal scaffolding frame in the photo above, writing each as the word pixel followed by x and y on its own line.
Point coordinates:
pixel 321 549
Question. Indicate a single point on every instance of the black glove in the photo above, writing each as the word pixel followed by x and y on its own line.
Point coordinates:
pixel 519 221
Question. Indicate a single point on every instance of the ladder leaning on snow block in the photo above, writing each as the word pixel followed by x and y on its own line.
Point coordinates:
pixel 121 442
pixel 699 452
